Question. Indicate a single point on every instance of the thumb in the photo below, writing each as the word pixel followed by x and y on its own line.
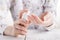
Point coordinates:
pixel 42 16
pixel 22 12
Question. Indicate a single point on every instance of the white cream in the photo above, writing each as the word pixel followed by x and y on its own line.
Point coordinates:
pixel 25 15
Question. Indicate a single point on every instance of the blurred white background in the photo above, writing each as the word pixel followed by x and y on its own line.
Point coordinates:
pixel 58 15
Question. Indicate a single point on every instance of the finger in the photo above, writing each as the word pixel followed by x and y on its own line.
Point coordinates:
pixel 29 18
pixel 20 27
pixel 37 19
pixel 25 23
pixel 32 19
pixel 42 15
pixel 21 23
pixel 20 32
pixel 48 22
pixel 22 12
pixel 48 16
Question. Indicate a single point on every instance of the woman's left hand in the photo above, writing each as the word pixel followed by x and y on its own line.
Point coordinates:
pixel 46 19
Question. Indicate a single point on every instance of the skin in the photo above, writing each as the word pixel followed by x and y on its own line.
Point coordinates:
pixel 45 19
pixel 19 28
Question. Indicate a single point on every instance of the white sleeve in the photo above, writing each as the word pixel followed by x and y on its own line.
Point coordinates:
pixel 17 6
pixel 50 6
pixel 5 18
pixel 43 28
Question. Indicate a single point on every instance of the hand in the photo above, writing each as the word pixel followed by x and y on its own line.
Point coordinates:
pixel 35 19
pixel 21 25
pixel 48 19
pixel 19 28
pixel 22 12
pixel 45 19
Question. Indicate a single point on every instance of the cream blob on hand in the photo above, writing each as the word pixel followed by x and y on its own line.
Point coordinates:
pixel 25 15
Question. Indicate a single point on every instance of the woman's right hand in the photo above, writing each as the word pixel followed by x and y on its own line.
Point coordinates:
pixel 21 24
pixel 19 28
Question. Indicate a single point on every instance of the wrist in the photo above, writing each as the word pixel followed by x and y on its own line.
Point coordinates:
pixel 9 31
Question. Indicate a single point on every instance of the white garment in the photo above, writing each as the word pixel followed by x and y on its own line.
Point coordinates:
pixel 35 6
pixel 5 15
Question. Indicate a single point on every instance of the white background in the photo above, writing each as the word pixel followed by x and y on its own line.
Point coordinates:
pixel 58 14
